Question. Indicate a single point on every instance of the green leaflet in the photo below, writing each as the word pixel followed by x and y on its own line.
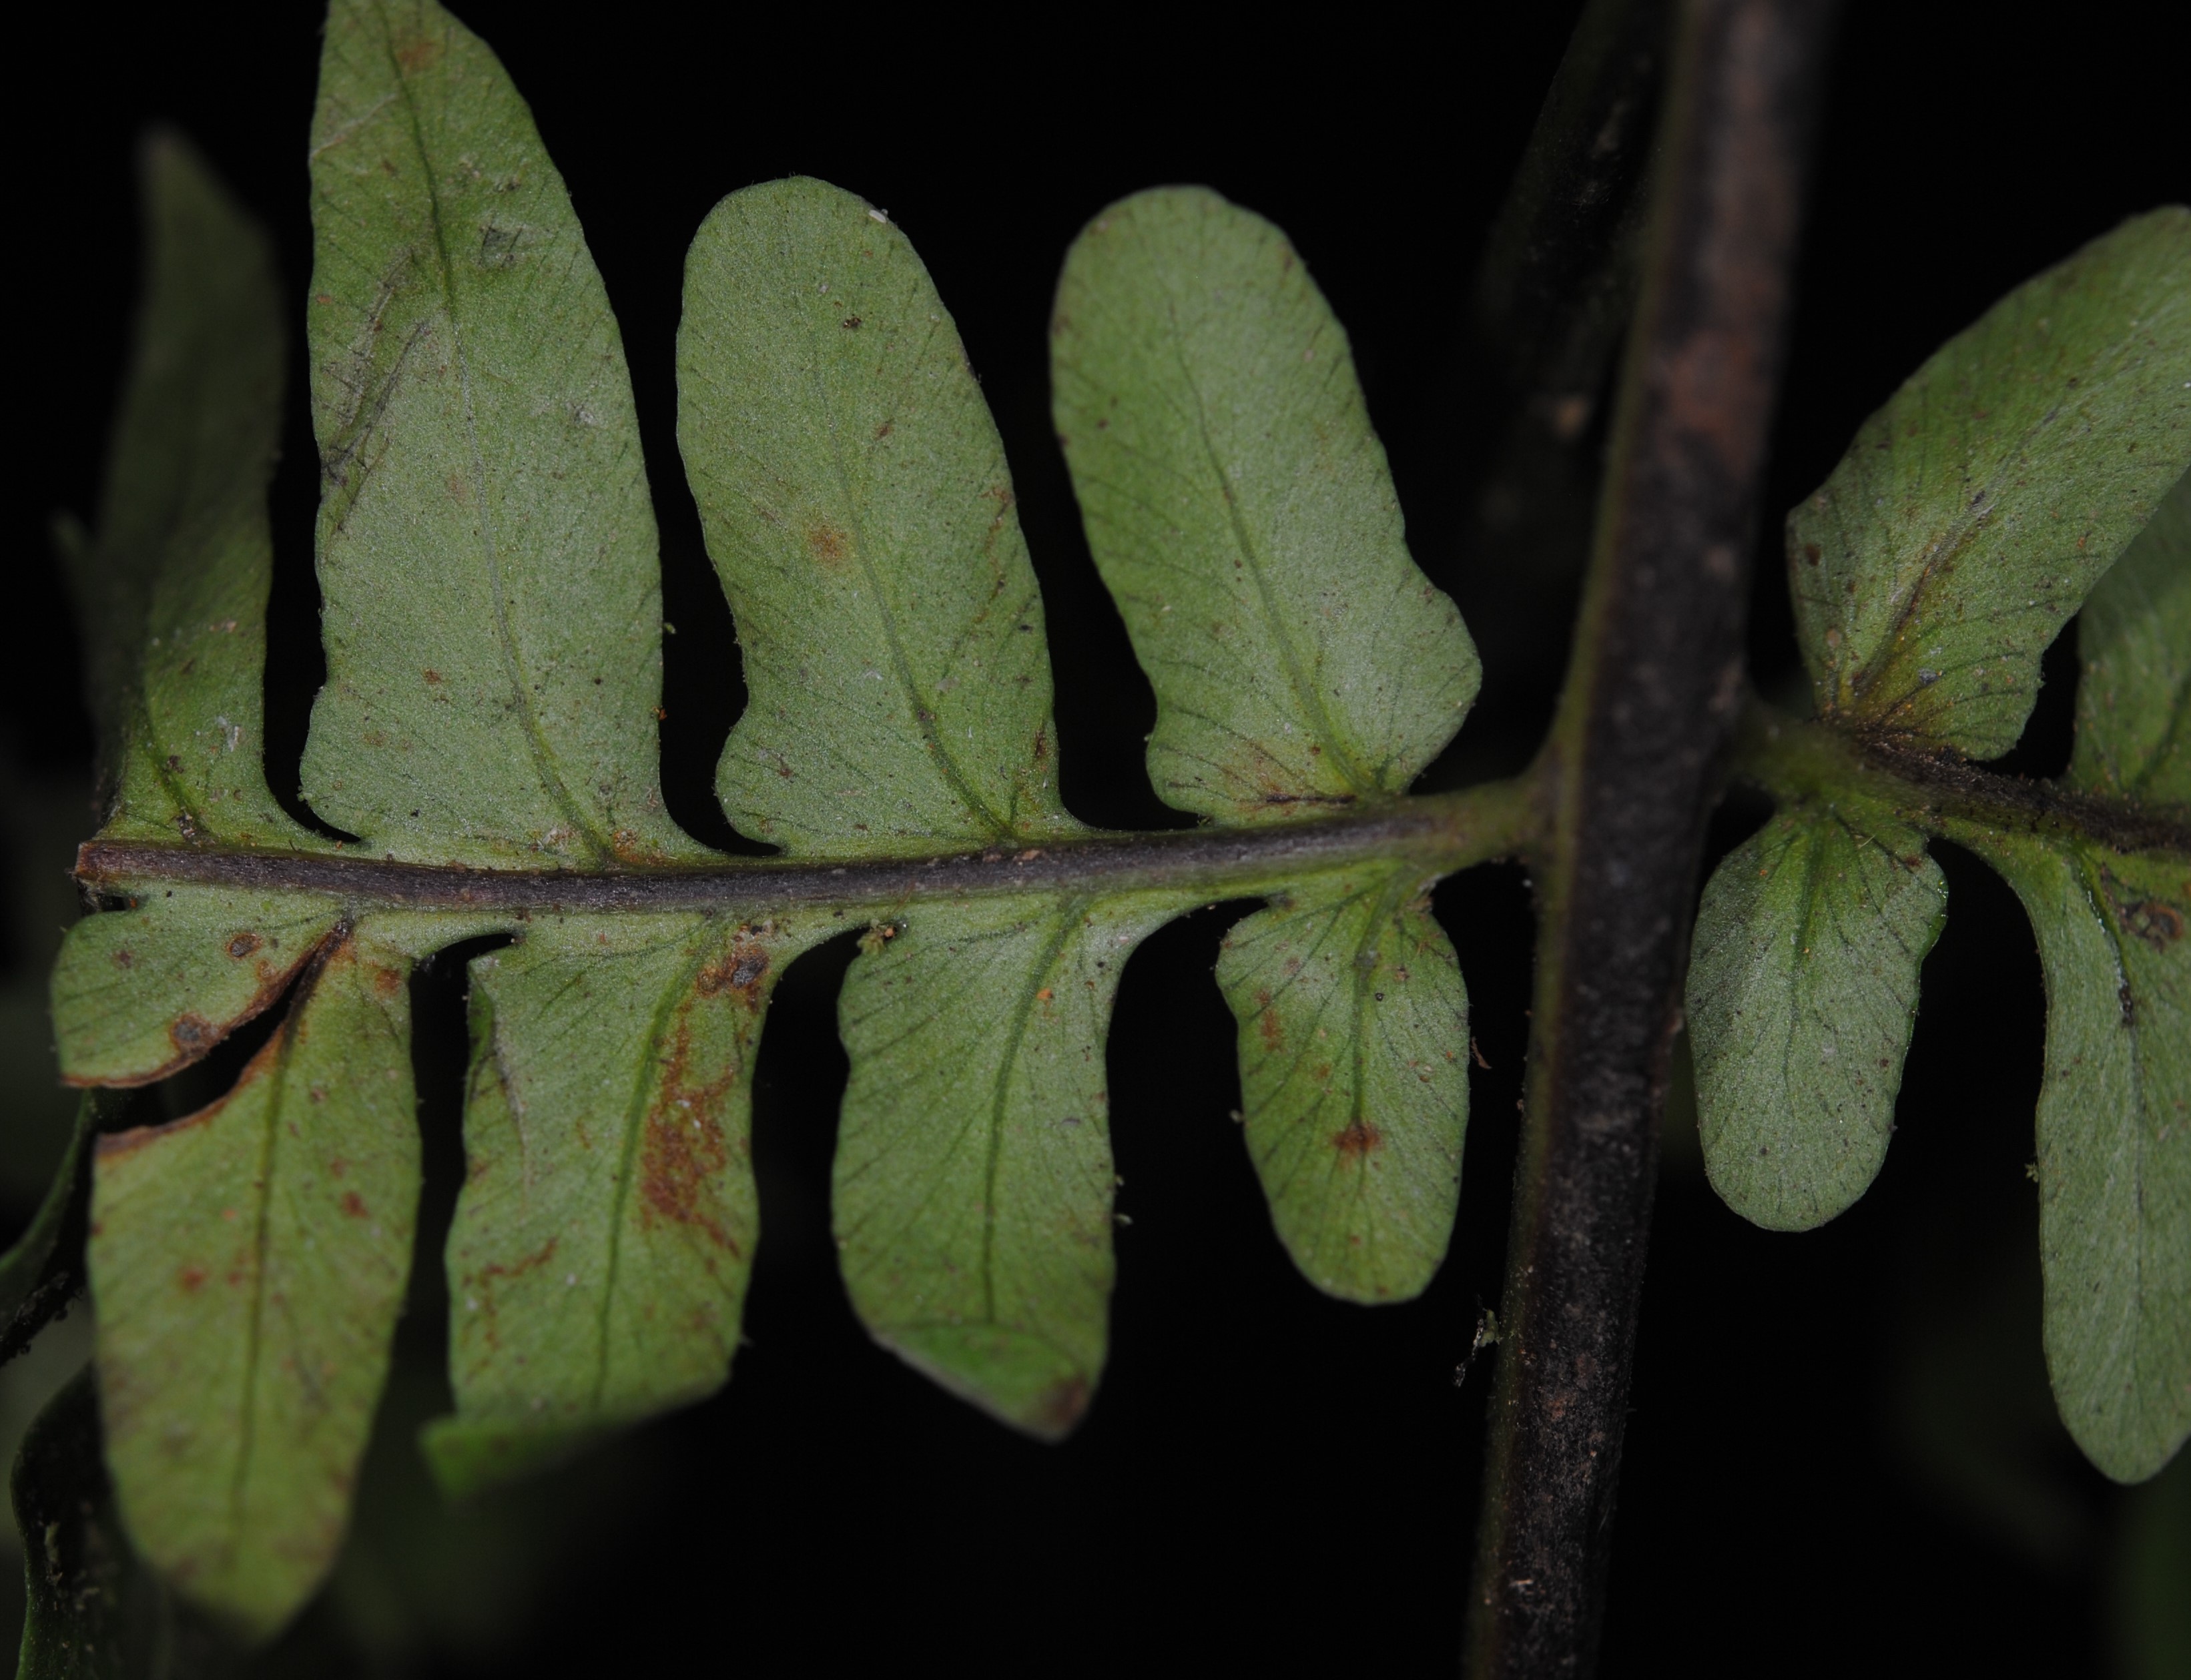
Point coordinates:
pixel 92 1610
pixel 1971 515
pixel 1239 506
pixel 1974 511
pixel 598 1263
pixel 858 509
pixel 2115 1143
pixel 1353 1031
pixel 492 609
pixel 856 504
pixel 1240 510
pixel 2134 700
pixel 248 1263
pixel 493 622
pixel 1803 989
pixel 973 1179
pixel 141 994
pixel 172 593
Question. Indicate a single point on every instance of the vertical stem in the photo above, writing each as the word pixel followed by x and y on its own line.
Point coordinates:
pixel 1651 695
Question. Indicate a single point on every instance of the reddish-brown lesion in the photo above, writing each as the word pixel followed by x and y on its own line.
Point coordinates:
pixel 1359 1139
pixel 417 54
pixel 2157 921
pixel 742 967
pixel 829 546
pixel 684 1148
pixel 480 1286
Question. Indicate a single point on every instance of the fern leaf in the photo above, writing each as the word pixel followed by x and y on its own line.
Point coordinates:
pixel 1977 510
pixel 606 1228
pixel 248 1263
pixel 172 593
pixel 492 626
pixel 1973 513
pixel 491 605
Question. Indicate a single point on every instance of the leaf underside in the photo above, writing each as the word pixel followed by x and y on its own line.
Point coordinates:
pixel 1801 993
pixel 2036 464
pixel 1974 513
pixel 492 621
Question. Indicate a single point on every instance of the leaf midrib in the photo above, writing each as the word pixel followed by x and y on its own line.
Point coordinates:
pixel 635 1129
pixel 1306 695
pixel 1969 525
pixel 924 712
pixel 1070 916
pixel 542 756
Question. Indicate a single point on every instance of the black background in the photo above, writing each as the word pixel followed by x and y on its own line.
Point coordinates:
pixel 1842 1450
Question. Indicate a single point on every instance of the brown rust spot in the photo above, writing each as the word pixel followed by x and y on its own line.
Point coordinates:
pixel 741 968
pixel 244 944
pixel 353 1205
pixel 193 1035
pixel 1266 1023
pixel 124 959
pixel 192 1278
pixel 2157 921
pixel 829 545
pixel 480 1285
pixel 682 1150
pixel 387 981
pixel 417 55
pixel 1358 1139
pixel 433 677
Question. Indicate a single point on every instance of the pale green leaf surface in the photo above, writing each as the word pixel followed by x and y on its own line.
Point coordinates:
pixel 856 502
pixel 606 1230
pixel 142 993
pixel 1240 509
pixel 1972 513
pixel 1354 1078
pixel 2134 699
pixel 973 1181
pixel 248 1263
pixel 1802 989
pixel 2115 1144
pixel 172 593
pixel 492 608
